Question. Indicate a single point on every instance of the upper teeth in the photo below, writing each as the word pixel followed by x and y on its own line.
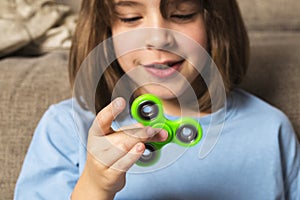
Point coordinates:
pixel 160 66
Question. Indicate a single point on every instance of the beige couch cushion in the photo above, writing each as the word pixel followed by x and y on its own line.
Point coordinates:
pixel 274 72
pixel 271 14
pixel 28 86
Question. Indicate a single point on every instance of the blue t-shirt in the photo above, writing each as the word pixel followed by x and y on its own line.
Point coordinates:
pixel 256 156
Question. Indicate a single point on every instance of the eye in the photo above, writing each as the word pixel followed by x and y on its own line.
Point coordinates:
pixel 180 17
pixel 130 19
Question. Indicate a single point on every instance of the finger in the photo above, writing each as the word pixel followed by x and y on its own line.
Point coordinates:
pixel 103 121
pixel 147 134
pixel 114 146
pixel 110 148
pixel 131 126
pixel 105 151
pixel 122 143
pixel 125 162
pixel 160 137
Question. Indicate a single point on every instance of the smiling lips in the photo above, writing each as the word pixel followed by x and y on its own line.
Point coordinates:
pixel 163 70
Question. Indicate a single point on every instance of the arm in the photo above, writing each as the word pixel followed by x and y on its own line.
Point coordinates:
pixel 290 158
pixel 50 169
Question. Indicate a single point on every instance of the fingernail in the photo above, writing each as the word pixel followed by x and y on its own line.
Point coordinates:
pixel 164 134
pixel 139 147
pixel 118 103
pixel 150 131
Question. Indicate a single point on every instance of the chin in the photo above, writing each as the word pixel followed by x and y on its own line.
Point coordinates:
pixel 163 92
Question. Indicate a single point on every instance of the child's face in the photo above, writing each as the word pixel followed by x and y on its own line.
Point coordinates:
pixel 156 69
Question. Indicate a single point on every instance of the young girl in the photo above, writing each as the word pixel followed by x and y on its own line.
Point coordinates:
pixel 257 156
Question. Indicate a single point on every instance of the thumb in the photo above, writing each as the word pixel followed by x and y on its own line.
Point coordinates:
pixel 104 119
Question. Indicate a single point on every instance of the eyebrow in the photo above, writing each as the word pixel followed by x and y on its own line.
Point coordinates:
pixel 124 3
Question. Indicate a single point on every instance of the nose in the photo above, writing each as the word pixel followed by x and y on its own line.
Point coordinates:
pixel 159 38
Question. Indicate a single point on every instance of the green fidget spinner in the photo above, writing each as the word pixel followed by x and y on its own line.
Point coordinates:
pixel 147 109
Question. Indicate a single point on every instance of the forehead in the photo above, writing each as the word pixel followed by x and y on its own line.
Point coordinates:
pixel 127 2
pixel 141 2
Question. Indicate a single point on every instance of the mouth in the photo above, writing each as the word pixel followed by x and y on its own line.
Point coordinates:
pixel 165 69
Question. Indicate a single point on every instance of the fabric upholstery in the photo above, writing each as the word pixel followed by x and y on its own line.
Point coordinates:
pixel 28 86
pixel 271 15
pixel 274 72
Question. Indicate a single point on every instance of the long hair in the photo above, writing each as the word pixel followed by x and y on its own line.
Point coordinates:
pixel 228 46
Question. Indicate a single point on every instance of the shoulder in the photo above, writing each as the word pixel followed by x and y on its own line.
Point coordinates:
pixel 57 123
pixel 258 117
pixel 66 107
pixel 61 131
pixel 245 104
pixel 69 111
pixel 54 154
pixel 269 131
pixel 64 121
pixel 60 110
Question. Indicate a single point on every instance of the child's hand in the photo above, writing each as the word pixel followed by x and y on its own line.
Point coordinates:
pixel 110 154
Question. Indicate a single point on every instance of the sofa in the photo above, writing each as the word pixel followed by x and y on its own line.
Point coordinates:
pixel 29 84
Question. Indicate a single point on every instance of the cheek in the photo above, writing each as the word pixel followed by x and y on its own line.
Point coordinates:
pixel 127 61
pixel 195 51
pixel 197 32
pixel 199 36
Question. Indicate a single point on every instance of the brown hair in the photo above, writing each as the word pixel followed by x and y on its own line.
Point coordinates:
pixel 228 45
